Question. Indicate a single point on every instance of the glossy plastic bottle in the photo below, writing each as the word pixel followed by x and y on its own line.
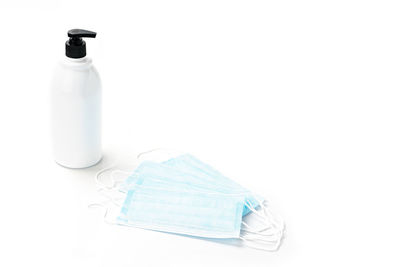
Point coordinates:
pixel 76 106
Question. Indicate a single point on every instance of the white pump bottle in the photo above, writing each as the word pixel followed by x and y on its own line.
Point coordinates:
pixel 76 106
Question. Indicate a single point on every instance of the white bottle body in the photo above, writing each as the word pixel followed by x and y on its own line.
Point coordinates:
pixel 76 113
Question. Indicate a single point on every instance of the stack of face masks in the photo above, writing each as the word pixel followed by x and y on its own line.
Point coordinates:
pixel 186 196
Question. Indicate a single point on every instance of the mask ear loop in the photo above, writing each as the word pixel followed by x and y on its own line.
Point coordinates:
pixel 101 184
pixel 279 223
pixel 267 214
pixel 110 199
pixel 256 212
pixel 263 233
pixel 256 231
pixel 261 217
pixel 267 234
pixel 273 233
pixel 253 244
pixel 259 239
pixel 112 166
pixel 105 190
pixel 259 236
pixel 264 243
pixel 272 238
pixel 112 175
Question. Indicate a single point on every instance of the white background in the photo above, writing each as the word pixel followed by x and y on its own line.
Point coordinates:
pixel 298 100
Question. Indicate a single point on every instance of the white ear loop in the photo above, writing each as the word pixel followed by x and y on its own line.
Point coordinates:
pixel 106 191
pixel 260 216
pixel 105 205
pixel 256 237
pixel 111 199
pixel 266 220
pixel 266 214
pixel 276 220
pixel 101 184
pixel 271 234
pixel 263 233
pixel 259 239
pixel 252 244
pixel 261 243
pixel 267 228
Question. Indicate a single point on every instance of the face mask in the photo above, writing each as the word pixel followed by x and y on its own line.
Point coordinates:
pixel 183 212
pixel 183 195
pixel 196 173
pixel 180 172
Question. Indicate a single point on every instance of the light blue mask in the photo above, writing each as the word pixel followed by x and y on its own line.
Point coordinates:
pixel 190 173
pixel 186 196
pixel 198 214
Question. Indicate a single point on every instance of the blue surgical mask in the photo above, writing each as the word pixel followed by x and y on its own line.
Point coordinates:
pixel 184 212
pixel 189 171
pixel 186 196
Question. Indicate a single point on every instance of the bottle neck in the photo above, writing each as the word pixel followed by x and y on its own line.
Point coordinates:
pixel 77 62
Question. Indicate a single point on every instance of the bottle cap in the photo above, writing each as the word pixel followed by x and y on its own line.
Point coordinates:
pixel 75 47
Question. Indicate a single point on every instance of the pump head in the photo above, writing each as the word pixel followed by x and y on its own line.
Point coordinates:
pixel 75 47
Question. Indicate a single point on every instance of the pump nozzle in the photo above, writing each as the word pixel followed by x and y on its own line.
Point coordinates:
pixel 81 33
pixel 75 47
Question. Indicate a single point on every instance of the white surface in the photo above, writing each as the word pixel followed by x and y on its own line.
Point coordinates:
pixel 296 99
pixel 75 97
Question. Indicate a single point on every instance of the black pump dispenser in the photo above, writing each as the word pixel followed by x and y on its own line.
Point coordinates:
pixel 75 47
